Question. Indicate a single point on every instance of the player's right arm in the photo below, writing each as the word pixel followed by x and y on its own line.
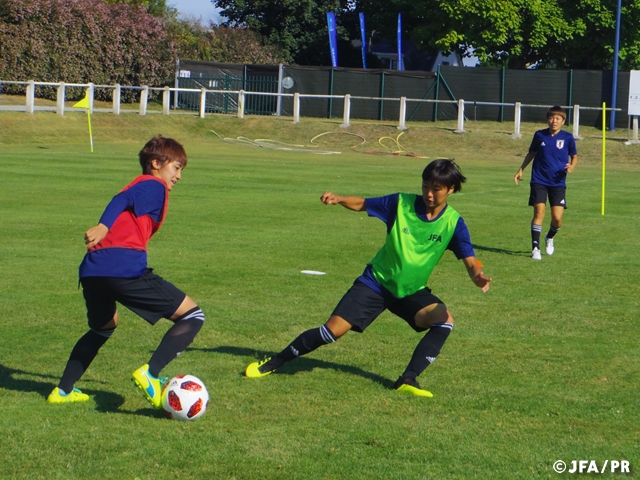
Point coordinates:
pixel 352 203
pixel 527 160
pixel 95 235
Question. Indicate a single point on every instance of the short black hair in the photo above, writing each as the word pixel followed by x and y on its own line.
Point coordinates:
pixel 444 172
pixel 557 110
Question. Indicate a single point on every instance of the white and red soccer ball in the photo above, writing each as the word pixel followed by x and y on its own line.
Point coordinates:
pixel 185 398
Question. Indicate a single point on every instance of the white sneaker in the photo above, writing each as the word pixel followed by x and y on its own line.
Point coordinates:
pixel 536 254
pixel 549 244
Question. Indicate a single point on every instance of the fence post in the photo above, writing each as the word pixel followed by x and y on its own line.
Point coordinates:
pixel 31 94
pixel 117 91
pixel 144 97
pixel 347 111
pixel 60 99
pixel 203 101
pixel 166 101
pixel 576 122
pixel 403 114
pixel 241 98
pixel 90 96
pixel 460 117
pixel 517 114
pixel 296 107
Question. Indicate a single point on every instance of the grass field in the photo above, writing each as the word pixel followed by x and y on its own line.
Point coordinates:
pixel 543 367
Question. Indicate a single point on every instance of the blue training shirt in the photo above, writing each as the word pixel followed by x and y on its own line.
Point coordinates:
pixel 386 208
pixel 553 152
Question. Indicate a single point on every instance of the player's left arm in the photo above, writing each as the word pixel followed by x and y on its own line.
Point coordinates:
pixel 573 156
pixel 462 247
pixel 476 274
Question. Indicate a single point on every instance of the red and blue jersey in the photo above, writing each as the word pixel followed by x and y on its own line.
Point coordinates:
pixel 132 216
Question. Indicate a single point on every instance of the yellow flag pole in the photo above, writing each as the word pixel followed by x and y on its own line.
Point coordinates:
pixel 604 149
pixel 84 103
pixel 90 134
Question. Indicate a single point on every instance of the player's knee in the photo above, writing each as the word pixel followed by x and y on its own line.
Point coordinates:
pixel 104 332
pixel 337 327
pixel 433 314
pixel 100 324
pixel 194 313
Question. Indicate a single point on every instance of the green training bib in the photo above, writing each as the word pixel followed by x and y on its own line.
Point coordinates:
pixel 412 248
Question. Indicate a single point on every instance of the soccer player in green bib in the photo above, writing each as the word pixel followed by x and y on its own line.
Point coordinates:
pixel 419 230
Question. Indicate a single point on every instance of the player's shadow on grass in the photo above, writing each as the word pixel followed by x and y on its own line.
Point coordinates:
pixel 521 253
pixel 10 380
pixel 302 364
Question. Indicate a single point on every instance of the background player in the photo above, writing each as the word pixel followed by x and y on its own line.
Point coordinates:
pixel 419 230
pixel 115 270
pixel 554 154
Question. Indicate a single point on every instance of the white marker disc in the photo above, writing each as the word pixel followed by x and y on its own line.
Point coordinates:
pixel 312 272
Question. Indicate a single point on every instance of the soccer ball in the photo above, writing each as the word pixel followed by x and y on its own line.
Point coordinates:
pixel 185 398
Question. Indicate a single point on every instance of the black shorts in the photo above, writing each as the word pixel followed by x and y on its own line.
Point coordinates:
pixel 539 194
pixel 360 306
pixel 150 296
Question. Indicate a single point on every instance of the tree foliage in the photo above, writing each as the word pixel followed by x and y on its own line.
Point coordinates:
pixel 157 8
pixel 296 28
pixel 83 41
pixel 215 43
pixel 510 33
pixel 519 33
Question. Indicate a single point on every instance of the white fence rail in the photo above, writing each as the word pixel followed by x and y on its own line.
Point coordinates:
pixel 60 108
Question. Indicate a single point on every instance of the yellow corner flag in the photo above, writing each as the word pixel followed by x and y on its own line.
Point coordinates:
pixel 84 103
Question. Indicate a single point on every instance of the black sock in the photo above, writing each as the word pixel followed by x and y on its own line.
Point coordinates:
pixel 536 230
pixel 552 231
pixel 305 343
pixel 176 340
pixel 81 357
pixel 427 349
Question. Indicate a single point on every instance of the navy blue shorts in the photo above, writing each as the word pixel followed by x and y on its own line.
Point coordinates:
pixel 539 194
pixel 149 296
pixel 360 306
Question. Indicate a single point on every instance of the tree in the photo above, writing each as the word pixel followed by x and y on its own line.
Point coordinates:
pixel 216 43
pixel 80 42
pixel 517 33
pixel 157 8
pixel 509 33
pixel 296 28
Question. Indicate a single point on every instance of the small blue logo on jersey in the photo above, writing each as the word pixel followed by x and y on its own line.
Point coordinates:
pixel 559 143
pixel 406 230
pixel 434 237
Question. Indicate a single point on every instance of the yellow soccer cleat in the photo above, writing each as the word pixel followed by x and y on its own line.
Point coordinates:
pixel 411 385
pixel 150 386
pixel 259 369
pixel 57 397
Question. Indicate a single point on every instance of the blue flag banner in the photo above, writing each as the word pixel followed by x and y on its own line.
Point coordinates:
pixel 400 62
pixel 333 38
pixel 363 35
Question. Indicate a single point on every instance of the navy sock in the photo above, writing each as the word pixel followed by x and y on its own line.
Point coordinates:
pixel 552 231
pixel 427 349
pixel 81 357
pixel 305 343
pixel 176 340
pixel 536 230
